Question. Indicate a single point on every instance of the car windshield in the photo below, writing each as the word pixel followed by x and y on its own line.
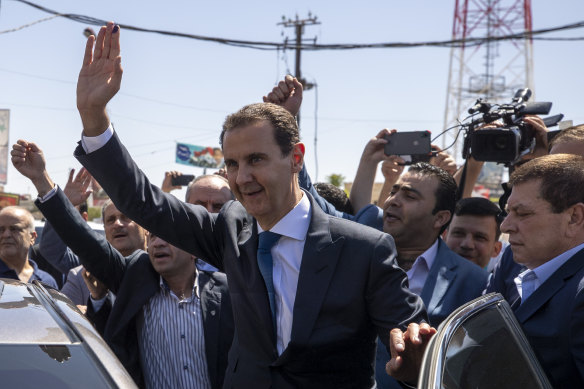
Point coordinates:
pixel 49 366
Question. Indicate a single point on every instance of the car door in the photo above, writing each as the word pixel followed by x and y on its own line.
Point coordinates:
pixel 481 345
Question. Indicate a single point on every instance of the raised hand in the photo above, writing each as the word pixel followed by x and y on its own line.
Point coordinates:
pixel 99 79
pixel 444 160
pixel 541 139
pixel 392 168
pixel 167 182
pixel 288 94
pixel 28 159
pixel 76 189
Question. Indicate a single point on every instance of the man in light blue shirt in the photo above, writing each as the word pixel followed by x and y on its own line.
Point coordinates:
pixel 545 224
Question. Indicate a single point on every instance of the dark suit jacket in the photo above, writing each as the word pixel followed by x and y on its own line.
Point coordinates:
pixel 134 281
pixel 350 288
pixel 553 321
pixel 502 279
pixel 451 282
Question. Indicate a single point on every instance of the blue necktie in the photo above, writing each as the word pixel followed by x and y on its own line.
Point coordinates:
pixel 265 262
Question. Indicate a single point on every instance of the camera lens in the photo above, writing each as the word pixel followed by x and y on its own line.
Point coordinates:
pixel 501 142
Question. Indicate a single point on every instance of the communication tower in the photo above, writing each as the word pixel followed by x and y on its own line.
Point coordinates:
pixel 490 69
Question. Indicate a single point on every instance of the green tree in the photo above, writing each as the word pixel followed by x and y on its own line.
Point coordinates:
pixel 336 179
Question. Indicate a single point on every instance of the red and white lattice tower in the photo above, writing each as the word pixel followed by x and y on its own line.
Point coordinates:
pixel 493 69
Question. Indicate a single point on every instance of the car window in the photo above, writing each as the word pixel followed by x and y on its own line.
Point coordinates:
pixel 49 366
pixel 481 345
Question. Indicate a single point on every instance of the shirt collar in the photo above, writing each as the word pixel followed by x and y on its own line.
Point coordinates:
pixel 295 223
pixel 544 271
pixel 195 291
pixel 429 255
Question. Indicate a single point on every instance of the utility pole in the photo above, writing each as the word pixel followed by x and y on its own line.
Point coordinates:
pixel 298 25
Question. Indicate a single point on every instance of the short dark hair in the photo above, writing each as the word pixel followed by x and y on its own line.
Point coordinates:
pixel 334 195
pixel 446 191
pixel 561 178
pixel 479 206
pixel 285 126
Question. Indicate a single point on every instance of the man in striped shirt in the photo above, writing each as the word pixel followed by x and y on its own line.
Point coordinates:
pixel 171 324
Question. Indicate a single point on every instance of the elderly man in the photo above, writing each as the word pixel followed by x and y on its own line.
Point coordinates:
pixel 17 234
pixel 307 312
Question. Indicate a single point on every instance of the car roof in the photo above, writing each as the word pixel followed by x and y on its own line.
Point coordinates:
pixel 32 314
pixel 24 319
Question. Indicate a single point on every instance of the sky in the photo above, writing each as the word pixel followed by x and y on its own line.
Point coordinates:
pixel 180 90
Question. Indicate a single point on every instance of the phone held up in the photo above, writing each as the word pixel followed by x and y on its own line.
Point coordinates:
pixel 412 146
pixel 182 180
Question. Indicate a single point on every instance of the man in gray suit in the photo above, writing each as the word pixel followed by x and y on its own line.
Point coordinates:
pixel 309 307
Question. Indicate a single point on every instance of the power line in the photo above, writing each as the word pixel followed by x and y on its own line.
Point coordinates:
pixel 259 45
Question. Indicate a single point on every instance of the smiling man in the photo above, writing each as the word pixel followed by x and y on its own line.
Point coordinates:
pixel 310 292
pixel 474 230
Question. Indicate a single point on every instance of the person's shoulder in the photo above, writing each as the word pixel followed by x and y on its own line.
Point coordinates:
pixel 350 225
pixel 45 277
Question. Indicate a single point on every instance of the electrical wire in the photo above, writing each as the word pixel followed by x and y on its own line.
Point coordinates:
pixel 259 45
pixel 30 24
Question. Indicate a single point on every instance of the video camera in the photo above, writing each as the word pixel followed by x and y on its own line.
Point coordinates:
pixel 515 139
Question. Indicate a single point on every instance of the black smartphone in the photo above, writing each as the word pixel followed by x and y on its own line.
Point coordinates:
pixel 182 180
pixel 409 143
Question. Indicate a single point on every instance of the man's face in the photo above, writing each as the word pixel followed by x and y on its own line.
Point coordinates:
pixel 536 234
pixel 211 193
pixel 260 177
pixel 121 232
pixel 407 212
pixel 168 260
pixel 474 238
pixel 16 236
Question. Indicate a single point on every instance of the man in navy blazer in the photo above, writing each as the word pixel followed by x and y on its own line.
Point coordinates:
pixel 336 284
pixel 545 224
pixel 417 211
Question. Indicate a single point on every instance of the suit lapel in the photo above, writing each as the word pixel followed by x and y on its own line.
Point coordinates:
pixel 319 261
pixel 210 305
pixel 439 279
pixel 550 287
pixel 147 282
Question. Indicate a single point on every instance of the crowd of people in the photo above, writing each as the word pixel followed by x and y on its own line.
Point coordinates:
pixel 260 279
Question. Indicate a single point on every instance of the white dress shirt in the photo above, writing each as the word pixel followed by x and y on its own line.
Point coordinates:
pixel 419 272
pixel 287 256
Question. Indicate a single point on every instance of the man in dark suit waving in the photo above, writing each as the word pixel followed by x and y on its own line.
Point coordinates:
pixel 309 306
